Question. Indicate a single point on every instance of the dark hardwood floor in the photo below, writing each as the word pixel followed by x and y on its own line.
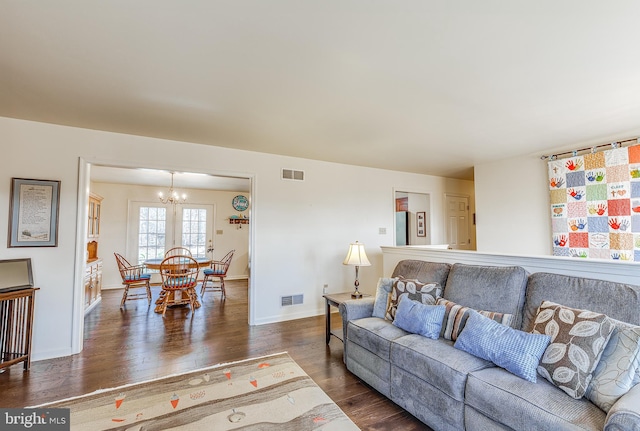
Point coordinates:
pixel 136 344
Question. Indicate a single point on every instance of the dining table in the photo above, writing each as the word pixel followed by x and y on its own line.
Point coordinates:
pixel 156 262
pixel 174 300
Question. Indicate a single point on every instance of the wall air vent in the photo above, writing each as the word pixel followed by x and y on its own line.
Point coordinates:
pixel 291 300
pixel 292 174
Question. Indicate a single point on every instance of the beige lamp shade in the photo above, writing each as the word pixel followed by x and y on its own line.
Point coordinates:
pixel 356 255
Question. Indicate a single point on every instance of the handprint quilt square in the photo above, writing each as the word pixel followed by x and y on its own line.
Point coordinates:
pixel 595 205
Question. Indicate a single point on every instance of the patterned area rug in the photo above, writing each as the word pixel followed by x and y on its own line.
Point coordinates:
pixel 270 392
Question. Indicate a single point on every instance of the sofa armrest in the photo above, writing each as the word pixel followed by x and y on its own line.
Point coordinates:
pixel 351 310
pixel 356 308
pixel 625 413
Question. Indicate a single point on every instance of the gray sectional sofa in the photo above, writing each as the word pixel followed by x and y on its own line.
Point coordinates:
pixel 450 389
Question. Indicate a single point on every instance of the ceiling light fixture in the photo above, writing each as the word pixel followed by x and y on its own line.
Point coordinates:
pixel 173 197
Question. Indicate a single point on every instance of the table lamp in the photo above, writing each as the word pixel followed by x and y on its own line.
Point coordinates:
pixel 357 257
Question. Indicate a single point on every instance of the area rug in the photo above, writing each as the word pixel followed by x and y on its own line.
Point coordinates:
pixel 270 392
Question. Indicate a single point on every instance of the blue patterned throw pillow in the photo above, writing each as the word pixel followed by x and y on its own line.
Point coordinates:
pixel 418 318
pixel 382 296
pixel 516 351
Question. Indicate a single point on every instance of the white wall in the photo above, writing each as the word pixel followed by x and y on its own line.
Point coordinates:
pixel 113 226
pixel 300 231
pixel 419 203
pixel 512 207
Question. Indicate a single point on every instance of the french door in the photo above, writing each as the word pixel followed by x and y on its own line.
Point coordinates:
pixel 155 228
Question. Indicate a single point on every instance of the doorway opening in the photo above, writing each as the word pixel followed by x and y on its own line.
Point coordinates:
pixel 201 223
pixel 412 218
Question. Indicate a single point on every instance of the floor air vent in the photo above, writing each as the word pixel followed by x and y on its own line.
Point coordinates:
pixel 291 174
pixel 291 300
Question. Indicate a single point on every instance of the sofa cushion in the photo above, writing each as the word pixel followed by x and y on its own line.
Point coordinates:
pixel 456 315
pixel 476 421
pixel 578 338
pixel 422 270
pixel 519 404
pixel 374 334
pixel 617 371
pixel 383 290
pixel 424 401
pixel 372 369
pixel 516 351
pixel 580 292
pixel 426 293
pixel 417 318
pixel 436 362
pixel 624 415
pixel 496 288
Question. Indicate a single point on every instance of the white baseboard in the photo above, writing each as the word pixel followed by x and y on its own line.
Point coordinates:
pixel 92 306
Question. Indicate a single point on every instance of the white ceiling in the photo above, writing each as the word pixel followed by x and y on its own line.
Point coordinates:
pixel 425 86
pixel 162 179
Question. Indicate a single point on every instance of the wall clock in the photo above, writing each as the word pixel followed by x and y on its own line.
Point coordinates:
pixel 240 203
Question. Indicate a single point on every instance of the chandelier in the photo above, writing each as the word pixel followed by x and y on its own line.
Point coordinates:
pixel 172 196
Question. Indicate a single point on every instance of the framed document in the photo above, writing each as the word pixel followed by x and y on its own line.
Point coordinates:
pixel 33 213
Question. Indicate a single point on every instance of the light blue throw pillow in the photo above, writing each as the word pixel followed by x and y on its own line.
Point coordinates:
pixel 617 371
pixel 516 351
pixel 382 296
pixel 417 318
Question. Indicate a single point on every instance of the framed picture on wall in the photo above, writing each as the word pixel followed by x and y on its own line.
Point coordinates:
pixel 33 213
pixel 421 223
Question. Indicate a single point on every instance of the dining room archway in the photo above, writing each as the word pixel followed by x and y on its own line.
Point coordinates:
pixel 202 186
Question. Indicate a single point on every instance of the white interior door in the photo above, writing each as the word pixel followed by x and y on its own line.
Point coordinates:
pixel 457 224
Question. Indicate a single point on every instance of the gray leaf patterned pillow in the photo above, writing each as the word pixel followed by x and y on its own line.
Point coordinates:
pixel 424 293
pixel 578 338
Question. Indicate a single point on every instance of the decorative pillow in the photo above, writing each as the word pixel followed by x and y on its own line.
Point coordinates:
pixel 618 368
pixel 417 318
pixel 516 351
pixel 456 316
pixel 578 338
pixel 425 293
pixel 382 296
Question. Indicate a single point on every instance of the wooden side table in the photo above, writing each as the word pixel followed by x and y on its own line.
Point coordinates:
pixel 334 300
pixel 16 326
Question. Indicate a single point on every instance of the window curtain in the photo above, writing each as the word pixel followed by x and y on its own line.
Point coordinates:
pixel 595 205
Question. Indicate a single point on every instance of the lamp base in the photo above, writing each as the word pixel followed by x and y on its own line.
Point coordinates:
pixel 356 295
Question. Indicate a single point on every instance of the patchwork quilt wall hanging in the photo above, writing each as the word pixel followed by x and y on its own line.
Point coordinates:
pixel 595 205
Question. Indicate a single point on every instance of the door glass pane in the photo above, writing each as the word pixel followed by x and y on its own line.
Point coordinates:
pixel 151 233
pixel 194 230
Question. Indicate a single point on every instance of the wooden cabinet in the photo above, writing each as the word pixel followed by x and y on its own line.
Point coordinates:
pixel 16 327
pixel 93 225
pixel 92 284
pixel 93 268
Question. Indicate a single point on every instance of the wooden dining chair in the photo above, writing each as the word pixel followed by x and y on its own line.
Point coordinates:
pixel 133 276
pixel 179 274
pixel 218 269
pixel 178 251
